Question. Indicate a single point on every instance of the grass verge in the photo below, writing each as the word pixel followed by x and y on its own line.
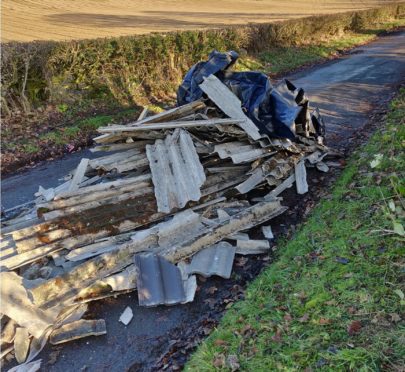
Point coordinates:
pixel 334 298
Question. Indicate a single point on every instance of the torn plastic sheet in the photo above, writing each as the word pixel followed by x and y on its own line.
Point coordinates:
pixel 277 111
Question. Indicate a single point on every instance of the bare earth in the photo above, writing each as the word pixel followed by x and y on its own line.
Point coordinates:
pixel 27 20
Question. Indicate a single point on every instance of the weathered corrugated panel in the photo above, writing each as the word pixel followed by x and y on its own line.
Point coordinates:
pixel 159 281
pixel 177 173
pixel 215 260
pixel 241 152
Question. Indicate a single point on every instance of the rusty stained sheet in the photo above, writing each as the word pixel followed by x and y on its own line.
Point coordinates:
pixel 159 281
pixel 177 173
pixel 214 260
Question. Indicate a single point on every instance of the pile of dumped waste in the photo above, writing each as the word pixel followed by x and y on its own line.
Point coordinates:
pixel 174 197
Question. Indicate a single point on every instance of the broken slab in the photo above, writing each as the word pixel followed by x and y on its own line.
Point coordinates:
pixel 27 367
pixel 16 304
pixel 245 247
pixel 214 260
pixel 159 281
pixel 246 219
pixel 78 329
pixel 229 104
pixel 287 183
pixel 301 177
pixel 79 174
pixel 267 232
pixel 21 344
pixel 177 173
pixel 126 316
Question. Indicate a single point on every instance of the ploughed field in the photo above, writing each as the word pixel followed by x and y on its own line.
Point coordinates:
pixel 28 20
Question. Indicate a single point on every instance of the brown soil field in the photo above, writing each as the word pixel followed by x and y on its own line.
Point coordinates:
pixel 28 20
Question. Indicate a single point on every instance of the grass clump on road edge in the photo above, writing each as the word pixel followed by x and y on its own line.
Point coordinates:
pixel 334 298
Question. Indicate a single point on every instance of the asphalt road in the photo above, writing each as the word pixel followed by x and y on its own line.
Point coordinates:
pixel 346 90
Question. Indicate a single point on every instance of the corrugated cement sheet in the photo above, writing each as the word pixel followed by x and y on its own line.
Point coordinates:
pixel 215 260
pixel 159 281
pixel 177 173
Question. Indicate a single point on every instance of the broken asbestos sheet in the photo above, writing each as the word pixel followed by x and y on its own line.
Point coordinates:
pixel 172 198
pixel 177 173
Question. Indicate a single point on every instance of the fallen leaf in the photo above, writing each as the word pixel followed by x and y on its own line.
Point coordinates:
pixel 304 318
pixel 398 228
pixel 219 361
pixel 220 342
pixel 233 362
pixel 395 318
pixel 287 317
pixel 245 329
pixel 391 205
pixel 399 293
pixel 351 310
pixel 212 290
pixel 277 336
pixel 324 321
pixel 241 261
pixel 377 160
pixel 354 327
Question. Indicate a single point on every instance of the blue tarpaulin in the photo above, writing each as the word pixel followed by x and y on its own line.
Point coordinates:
pixel 276 111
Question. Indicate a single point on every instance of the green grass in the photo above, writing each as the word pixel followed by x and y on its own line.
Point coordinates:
pixel 334 298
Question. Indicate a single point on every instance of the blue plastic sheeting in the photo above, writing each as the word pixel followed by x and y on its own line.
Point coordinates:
pixel 276 111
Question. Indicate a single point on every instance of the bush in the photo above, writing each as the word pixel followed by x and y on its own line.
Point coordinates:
pixel 142 69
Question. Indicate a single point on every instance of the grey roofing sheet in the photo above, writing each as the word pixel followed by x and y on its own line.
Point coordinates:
pixel 214 260
pixel 159 281
pixel 177 173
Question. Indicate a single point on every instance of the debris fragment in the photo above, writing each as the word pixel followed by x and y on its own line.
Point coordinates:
pixel 215 260
pixel 27 367
pixel 301 178
pixel 245 247
pixel 126 316
pixel 159 281
pixel 267 232
pixel 78 329
pixel 21 344
pixel 177 173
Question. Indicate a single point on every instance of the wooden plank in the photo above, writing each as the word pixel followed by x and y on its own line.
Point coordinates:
pixel 79 174
pixel 301 177
pixel 172 114
pixel 78 329
pixel 143 114
pixel 168 125
pixel 121 146
pixel 229 104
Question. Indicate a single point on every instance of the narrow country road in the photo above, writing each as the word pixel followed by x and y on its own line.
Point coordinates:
pixel 346 90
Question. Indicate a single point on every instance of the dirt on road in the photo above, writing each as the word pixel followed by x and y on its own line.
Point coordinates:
pixel 28 20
